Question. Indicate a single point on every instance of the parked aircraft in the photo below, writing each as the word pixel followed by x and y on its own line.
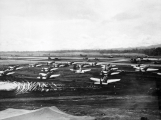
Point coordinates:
pixel 79 70
pixel 145 69
pixel 47 75
pixel 136 60
pixel 35 65
pixel 104 81
pixel 16 67
pixel 62 65
pixel 92 63
pixel 6 72
pixel 50 62
pixel 85 64
pixel 108 67
pixel 138 65
pixel 64 62
pixel 48 69
pixel 111 72
pixel 88 64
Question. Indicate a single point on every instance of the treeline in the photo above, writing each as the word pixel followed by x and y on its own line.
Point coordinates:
pixel 149 52
pixel 146 51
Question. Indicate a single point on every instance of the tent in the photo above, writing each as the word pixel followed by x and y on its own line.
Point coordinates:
pixel 46 113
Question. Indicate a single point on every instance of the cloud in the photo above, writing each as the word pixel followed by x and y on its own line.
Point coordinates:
pixel 125 16
pixel 78 24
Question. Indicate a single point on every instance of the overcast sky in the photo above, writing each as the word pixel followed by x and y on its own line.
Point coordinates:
pixel 78 24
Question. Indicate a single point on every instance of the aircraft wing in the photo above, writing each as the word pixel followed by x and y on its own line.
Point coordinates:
pixel 39 65
pixel 152 69
pixel 137 68
pixel 98 83
pixel 95 79
pixel 53 69
pixel 52 76
pixel 86 70
pixel 43 74
pixel 103 67
pixel 104 71
pixel 86 65
pixel 72 70
pixel 114 68
pixel 159 73
pixel 45 68
pixel 133 65
pixel 19 68
pixel 11 67
pixel 61 65
pixel 41 78
pixel 113 80
pixel 115 73
pixel 10 73
pixel 113 65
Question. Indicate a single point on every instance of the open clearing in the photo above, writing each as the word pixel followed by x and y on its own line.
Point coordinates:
pixel 136 95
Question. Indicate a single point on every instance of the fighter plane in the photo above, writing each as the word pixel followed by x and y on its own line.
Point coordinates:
pixel 138 65
pixel 48 69
pixel 16 67
pixel 86 64
pixel 60 65
pixel 35 65
pixel 108 67
pixel 47 75
pixel 50 62
pixel 79 70
pixel 145 69
pixel 104 81
pixel 111 72
pixel 92 63
pixel 64 62
pixel 6 72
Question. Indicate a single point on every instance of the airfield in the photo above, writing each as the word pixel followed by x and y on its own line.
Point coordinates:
pixel 136 95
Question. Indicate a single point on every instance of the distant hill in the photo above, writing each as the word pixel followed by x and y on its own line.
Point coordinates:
pixel 152 46
pixel 140 47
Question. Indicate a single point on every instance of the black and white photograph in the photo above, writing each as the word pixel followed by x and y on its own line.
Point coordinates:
pixel 80 59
